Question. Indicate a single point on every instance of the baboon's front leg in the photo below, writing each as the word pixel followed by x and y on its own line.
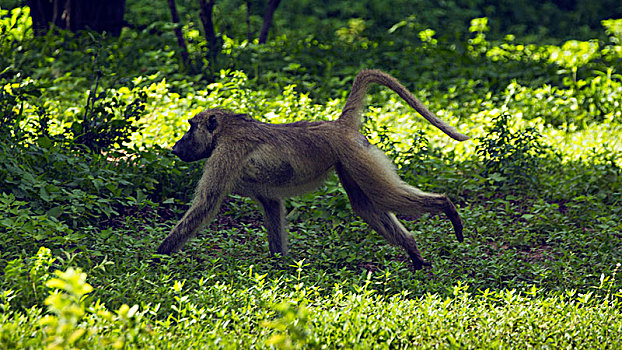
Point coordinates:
pixel 201 211
pixel 274 212
pixel 383 222
pixel 219 174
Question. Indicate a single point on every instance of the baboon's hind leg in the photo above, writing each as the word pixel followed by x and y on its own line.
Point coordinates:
pixel 408 200
pixel 383 222
pixel 274 212
pixel 379 181
pixel 387 224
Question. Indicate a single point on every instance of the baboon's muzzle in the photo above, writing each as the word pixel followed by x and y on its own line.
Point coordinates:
pixel 175 149
pixel 178 151
pixel 181 151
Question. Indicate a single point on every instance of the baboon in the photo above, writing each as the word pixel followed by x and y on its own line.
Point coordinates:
pixel 270 162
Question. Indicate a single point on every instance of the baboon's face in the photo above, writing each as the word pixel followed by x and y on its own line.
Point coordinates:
pixel 198 142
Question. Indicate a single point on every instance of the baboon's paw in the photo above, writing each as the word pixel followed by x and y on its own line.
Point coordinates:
pixel 459 235
pixel 156 260
pixel 419 264
pixel 458 227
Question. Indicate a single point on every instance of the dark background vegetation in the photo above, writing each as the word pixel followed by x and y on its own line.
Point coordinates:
pixel 88 111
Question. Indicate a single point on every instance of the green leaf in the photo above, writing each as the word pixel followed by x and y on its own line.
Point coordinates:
pixel 43 194
pixel 45 142
pixel 55 212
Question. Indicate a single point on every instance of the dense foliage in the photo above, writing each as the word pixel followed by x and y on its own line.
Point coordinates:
pixel 88 189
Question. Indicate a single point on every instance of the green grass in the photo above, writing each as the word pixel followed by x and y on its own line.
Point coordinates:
pixel 539 188
pixel 288 312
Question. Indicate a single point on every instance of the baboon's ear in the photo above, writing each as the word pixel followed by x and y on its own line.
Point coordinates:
pixel 211 123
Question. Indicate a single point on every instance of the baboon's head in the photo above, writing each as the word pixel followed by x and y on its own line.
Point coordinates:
pixel 198 142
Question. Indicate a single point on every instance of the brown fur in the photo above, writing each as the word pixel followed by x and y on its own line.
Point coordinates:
pixel 269 162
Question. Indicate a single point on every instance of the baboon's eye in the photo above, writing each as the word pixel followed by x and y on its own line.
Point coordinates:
pixel 211 123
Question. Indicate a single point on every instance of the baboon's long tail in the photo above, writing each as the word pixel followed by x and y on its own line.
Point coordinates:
pixel 351 111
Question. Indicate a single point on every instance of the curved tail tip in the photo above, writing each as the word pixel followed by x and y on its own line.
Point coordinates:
pixel 461 137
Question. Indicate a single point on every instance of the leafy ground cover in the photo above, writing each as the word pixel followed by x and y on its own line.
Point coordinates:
pixel 88 190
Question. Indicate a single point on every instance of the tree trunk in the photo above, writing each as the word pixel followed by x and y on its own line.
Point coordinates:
pixel 75 15
pixel 207 9
pixel 178 32
pixel 267 20
pixel 249 33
